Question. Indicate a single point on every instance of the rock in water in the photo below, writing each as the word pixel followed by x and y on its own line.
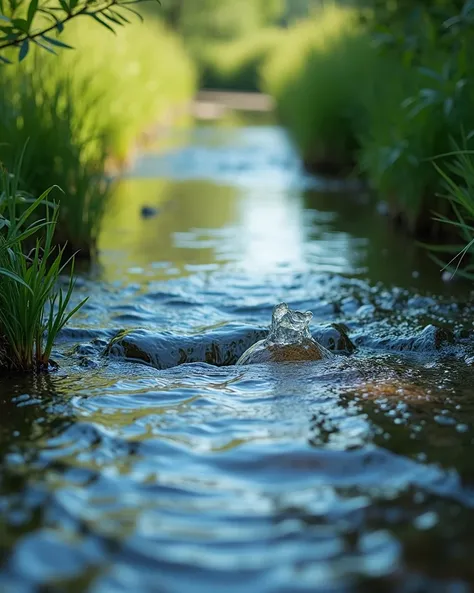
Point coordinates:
pixel 289 340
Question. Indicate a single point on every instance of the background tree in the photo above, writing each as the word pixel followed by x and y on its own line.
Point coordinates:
pixel 220 19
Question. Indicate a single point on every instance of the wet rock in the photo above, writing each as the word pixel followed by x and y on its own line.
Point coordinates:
pixel 222 346
pixel 289 340
pixel 421 302
pixel 86 349
pixel 88 363
pixel 350 305
pixel 431 338
pixel 335 337
pixel 149 212
pixel 365 311
pixel 307 350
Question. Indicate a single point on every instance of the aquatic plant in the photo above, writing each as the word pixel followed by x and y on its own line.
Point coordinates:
pixel 316 76
pixel 32 308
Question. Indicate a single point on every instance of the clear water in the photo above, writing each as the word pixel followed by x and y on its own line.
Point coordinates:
pixel 354 474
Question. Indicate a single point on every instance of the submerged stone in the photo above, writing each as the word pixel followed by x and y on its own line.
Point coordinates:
pixel 289 340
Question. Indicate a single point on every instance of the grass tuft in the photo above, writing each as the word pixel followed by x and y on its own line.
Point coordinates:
pixel 457 180
pixel 32 308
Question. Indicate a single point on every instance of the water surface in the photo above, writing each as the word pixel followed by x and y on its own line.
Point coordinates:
pixel 356 475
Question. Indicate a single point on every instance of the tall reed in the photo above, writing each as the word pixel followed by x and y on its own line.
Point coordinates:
pixel 66 146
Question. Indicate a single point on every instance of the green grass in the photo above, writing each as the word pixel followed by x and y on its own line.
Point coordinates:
pixel 32 309
pixel 413 115
pixel 236 65
pixel 62 148
pixel 316 76
pixel 456 175
pixel 82 108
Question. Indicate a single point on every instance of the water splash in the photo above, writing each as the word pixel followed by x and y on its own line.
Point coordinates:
pixel 289 340
pixel 289 327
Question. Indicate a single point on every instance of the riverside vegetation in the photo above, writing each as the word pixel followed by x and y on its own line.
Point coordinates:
pixel 375 89
pixel 386 94
pixel 64 120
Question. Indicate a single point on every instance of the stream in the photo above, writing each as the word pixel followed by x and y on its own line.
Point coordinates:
pixel 159 465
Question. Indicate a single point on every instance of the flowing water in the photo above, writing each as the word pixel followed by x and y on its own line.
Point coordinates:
pixel 158 465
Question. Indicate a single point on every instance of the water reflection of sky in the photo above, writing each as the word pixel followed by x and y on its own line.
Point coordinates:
pixel 247 157
pixel 277 231
pixel 227 196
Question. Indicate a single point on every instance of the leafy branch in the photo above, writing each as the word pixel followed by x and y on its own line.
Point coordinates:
pixel 18 29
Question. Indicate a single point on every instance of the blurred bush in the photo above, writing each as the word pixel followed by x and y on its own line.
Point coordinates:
pixel 82 107
pixel 317 76
pixel 421 109
pixel 236 65
pixel 205 21
pixel 387 87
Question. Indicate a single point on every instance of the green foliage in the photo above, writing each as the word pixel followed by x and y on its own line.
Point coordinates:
pixel 32 309
pixel 458 182
pixel 210 20
pixel 39 23
pixel 296 10
pixel 78 109
pixel 139 77
pixel 390 93
pixel 414 115
pixel 236 65
pixel 317 75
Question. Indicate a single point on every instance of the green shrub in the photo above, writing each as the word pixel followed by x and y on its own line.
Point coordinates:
pixel 316 75
pixel 413 115
pixel 236 65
